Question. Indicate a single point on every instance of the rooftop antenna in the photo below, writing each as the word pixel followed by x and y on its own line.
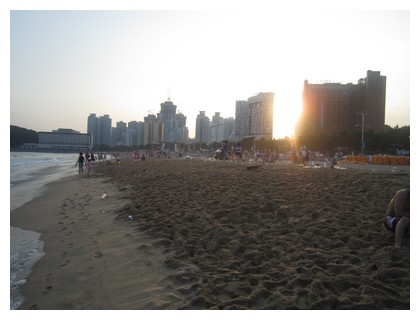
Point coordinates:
pixel 169 94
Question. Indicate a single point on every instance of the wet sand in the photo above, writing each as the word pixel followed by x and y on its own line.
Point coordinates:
pixel 215 235
pixel 92 260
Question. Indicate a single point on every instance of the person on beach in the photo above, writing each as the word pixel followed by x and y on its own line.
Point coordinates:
pixel 80 161
pixel 397 218
pixel 333 162
pixel 89 164
pixel 238 152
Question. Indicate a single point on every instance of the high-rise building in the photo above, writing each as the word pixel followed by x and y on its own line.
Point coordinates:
pixel 181 120
pixel 241 120
pixel 140 134
pixel 106 124
pixel 202 128
pixel 174 124
pixel 255 117
pixel 334 108
pixel 181 130
pixel 167 117
pixel 153 130
pixel 119 134
pixel 100 129
pixel 133 133
pixel 228 128
pixel 220 129
pixel 261 115
pixel 94 128
pixel 371 95
pixel 327 108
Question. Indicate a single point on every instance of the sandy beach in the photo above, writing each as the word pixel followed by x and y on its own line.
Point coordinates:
pixel 194 234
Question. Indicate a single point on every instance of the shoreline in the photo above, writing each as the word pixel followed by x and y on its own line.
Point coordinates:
pixel 88 252
pixel 213 235
pixel 25 250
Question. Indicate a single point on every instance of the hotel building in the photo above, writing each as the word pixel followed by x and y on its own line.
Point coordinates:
pixel 333 107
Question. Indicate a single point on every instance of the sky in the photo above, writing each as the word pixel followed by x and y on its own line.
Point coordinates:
pixel 66 64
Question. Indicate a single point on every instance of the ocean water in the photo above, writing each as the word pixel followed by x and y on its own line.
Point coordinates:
pixel 25 250
pixel 30 172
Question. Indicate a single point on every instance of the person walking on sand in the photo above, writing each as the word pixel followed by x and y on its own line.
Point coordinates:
pixel 89 164
pixel 397 218
pixel 80 161
pixel 92 159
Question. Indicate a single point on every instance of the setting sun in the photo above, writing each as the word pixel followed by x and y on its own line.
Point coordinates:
pixel 287 108
pixel 209 59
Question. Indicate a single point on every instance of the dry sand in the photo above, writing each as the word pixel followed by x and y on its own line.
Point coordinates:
pixel 214 235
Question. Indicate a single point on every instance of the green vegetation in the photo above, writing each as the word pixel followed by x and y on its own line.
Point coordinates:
pixel 19 136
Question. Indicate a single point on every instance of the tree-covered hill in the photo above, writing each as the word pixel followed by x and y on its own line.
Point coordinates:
pixel 19 136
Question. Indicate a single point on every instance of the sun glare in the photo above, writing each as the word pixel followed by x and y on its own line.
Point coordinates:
pixel 287 108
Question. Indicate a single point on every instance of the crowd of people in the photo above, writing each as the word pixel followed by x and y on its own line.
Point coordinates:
pixel 397 218
pixel 87 161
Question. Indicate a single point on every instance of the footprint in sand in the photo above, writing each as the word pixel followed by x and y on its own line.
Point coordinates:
pixel 97 255
pixel 65 263
pixel 47 289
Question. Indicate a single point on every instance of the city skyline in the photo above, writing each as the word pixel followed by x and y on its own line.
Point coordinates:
pixel 66 65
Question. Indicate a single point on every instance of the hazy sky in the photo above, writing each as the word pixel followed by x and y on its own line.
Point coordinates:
pixel 65 64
